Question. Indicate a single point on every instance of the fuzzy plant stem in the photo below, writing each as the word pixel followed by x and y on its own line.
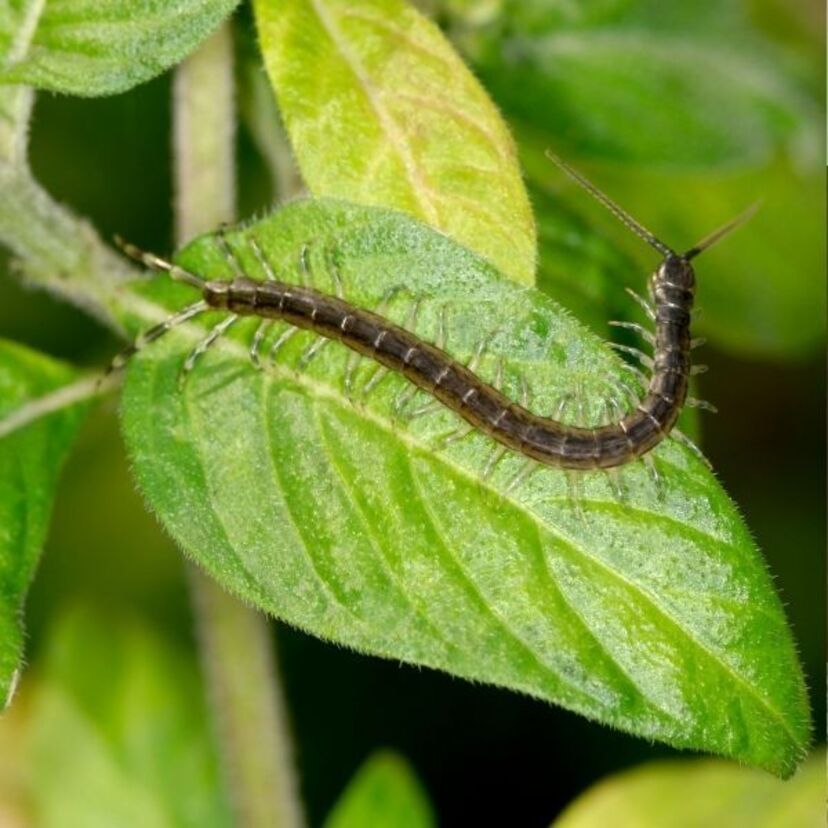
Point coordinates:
pixel 238 656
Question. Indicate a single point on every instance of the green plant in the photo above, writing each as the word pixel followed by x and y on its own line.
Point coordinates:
pixel 653 613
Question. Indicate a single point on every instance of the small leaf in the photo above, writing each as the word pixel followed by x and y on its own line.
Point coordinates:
pixel 100 47
pixel 336 514
pixel 41 410
pixel 701 792
pixel 385 793
pixel 119 733
pixel 381 110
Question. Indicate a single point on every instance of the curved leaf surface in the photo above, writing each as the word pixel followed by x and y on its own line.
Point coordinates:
pixel 89 47
pixel 381 110
pixel 345 514
pixel 711 792
pixel 384 792
pixel 40 413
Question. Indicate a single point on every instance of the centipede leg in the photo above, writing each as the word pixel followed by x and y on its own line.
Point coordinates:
pixel 652 470
pixel 646 335
pixel 703 405
pixel 154 333
pixel 637 373
pixel 573 485
pixel 264 262
pixel 453 437
pixel 441 340
pixel 305 271
pixel 403 398
pixel 528 468
pixel 256 344
pixel 277 346
pixel 378 375
pixel 563 404
pixel 643 358
pixel 681 437
pixel 615 412
pixel 643 303
pixel 631 395
pixel 351 363
pixel 494 458
pixel 613 476
pixel 228 253
pixel 215 334
pixel 336 273
pixel 309 355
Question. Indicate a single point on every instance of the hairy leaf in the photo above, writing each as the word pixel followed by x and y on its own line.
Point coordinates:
pixel 118 732
pixel 381 110
pixel 41 410
pixel 699 792
pixel 384 792
pixel 344 513
pixel 100 47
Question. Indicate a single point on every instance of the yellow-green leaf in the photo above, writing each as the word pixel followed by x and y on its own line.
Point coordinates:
pixel 381 110
pixel 699 793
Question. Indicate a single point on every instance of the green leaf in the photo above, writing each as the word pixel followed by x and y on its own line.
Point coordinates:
pixel 381 110
pixel 654 614
pixel 385 793
pixel 100 47
pixel 649 86
pixel 118 733
pixel 41 410
pixel 702 792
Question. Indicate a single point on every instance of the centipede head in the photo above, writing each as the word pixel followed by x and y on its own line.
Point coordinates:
pixel 674 272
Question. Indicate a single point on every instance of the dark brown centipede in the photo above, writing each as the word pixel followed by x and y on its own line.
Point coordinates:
pixel 550 442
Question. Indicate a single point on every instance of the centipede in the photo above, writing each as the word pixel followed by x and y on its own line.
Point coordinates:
pixel 429 368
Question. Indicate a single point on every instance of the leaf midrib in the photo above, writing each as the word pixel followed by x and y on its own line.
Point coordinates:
pixel 419 188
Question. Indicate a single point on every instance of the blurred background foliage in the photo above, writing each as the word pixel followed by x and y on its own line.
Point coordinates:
pixel 640 95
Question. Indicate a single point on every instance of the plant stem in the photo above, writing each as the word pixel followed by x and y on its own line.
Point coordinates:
pixel 237 649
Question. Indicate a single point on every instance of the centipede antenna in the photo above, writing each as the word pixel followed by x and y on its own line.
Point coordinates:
pixel 178 274
pixel 717 235
pixel 622 215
